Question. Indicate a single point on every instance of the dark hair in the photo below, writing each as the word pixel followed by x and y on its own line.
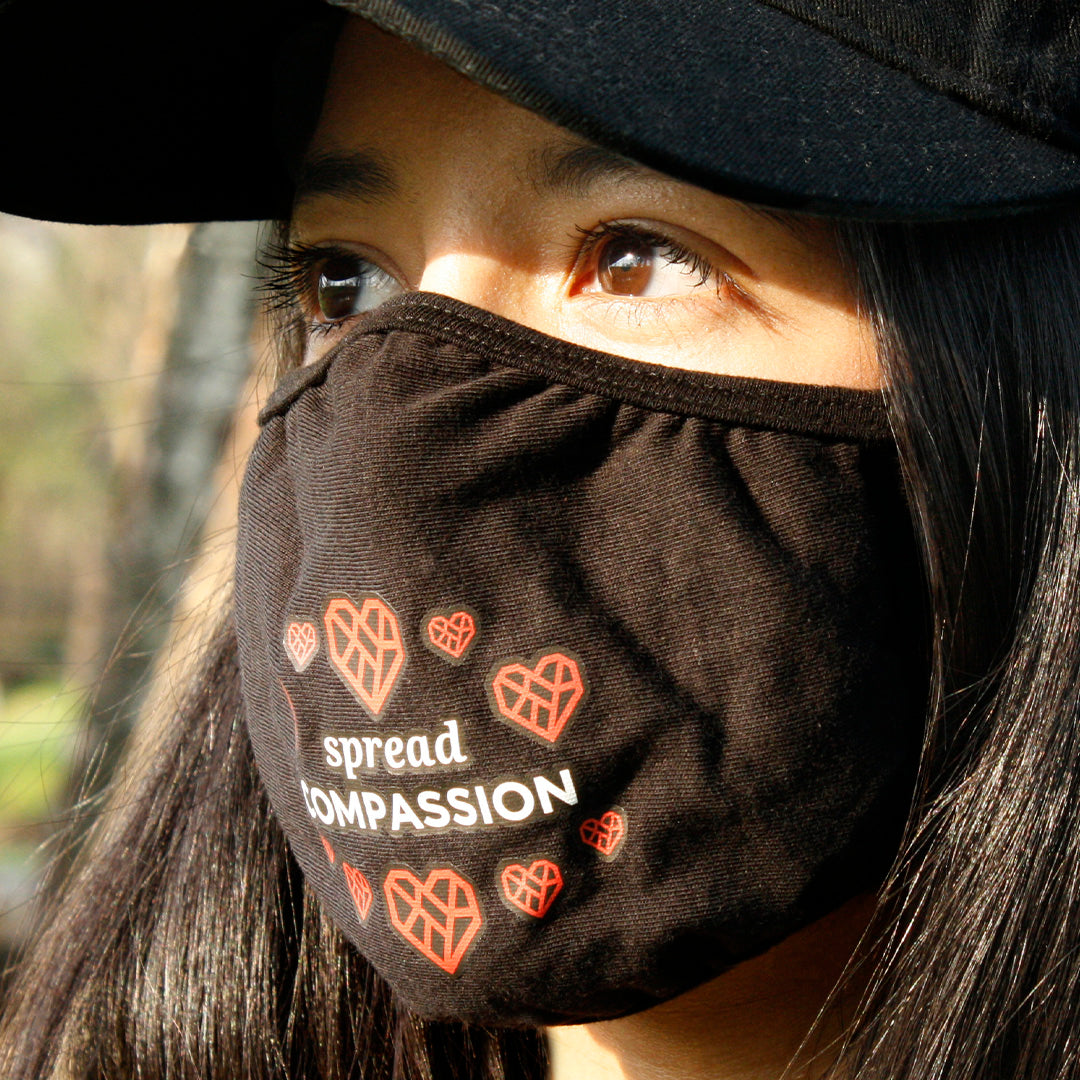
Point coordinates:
pixel 185 943
pixel 978 329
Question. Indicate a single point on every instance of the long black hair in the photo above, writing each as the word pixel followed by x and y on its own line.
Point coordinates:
pixel 185 945
pixel 978 330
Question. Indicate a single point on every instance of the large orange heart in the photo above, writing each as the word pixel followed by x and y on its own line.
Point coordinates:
pixel 452 633
pixel 541 698
pixel 361 890
pixel 439 917
pixel 365 648
pixel 301 641
pixel 532 889
pixel 605 834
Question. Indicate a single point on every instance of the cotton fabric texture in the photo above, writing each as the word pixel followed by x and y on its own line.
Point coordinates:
pixel 573 681
pixel 875 108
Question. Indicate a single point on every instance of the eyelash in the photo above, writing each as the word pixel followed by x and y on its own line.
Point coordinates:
pixel 290 267
pixel 670 250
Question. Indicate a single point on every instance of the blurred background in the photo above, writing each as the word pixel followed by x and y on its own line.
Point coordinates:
pixel 131 366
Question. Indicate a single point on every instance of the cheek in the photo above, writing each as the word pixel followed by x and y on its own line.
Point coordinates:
pixel 826 342
pixel 799 339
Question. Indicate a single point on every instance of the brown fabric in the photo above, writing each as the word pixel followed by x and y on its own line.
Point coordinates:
pixel 634 690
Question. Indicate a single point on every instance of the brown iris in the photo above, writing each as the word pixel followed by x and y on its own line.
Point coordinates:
pixel 624 265
pixel 340 288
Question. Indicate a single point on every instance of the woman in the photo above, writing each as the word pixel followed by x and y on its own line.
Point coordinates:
pixel 586 638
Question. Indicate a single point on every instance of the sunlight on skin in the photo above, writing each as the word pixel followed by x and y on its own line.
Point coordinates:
pixel 416 179
pixel 485 202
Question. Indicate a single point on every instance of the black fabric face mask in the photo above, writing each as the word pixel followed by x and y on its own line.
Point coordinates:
pixel 573 681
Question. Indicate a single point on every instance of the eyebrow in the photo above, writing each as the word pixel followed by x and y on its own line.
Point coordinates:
pixel 573 168
pixel 562 167
pixel 358 176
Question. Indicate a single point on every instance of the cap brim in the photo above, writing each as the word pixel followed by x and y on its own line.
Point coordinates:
pixel 125 112
pixel 134 114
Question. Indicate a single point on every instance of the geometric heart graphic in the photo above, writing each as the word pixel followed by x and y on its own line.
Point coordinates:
pixel 365 649
pixel 606 834
pixel 301 641
pixel 533 890
pixel 451 633
pixel 439 917
pixel 541 698
pixel 361 891
pixel 326 846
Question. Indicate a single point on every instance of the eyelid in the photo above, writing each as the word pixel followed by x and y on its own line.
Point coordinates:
pixel 731 274
pixel 289 265
pixel 700 251
pixel 721 256
pixel 348 248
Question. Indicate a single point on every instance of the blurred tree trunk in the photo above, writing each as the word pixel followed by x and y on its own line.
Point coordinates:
pixel 163 502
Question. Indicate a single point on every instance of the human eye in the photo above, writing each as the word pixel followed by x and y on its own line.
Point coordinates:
pixel 630 260
pixel 323 287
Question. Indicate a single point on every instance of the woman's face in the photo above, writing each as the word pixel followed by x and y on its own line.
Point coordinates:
pixel 416 179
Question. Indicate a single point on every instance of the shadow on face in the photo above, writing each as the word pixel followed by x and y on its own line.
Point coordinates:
pixel 417 179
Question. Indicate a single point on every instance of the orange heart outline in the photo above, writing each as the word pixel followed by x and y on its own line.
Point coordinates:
pixel 451 632
pixel 301 642
pixel 327 847
pixel 531 889
pixel 410 901
pixel 540 696
pixel 365 648
pixel 605 833
pixel 360 888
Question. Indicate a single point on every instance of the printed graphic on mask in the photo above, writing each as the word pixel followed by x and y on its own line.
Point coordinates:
pixel 533 888
pixel 604 833
pixel 415 751
pixel 292 713
pixel 301 644
pixel 506 802
pixel 450 633
pixel 508 788
pixel 365 648
pixel 439 917
pixel 360 889
pixel 330 856
pixel 541 697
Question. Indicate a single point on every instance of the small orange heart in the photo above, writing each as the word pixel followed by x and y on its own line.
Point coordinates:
pixel 541 698
pixel 532 889
pixel 605 834
pixel 361 890
pixel 452 634
pixel 301 641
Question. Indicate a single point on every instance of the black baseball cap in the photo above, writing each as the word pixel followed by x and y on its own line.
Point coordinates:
pixel 124 112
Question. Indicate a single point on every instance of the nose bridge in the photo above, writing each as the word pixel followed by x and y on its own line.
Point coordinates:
pixel 471 246
pixel 473 215
pixel 474 277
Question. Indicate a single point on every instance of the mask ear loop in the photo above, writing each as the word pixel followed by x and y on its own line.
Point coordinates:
pixel 301 69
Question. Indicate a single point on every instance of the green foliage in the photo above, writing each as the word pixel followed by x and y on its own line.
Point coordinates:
pixel 81 344
pixel 39 724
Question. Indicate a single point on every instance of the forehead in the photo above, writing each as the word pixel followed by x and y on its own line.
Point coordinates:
pixel 399 129
pixel 394 121
pixel 383 89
